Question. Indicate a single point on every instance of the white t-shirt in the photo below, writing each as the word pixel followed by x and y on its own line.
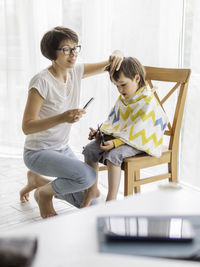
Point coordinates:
pixel 58 98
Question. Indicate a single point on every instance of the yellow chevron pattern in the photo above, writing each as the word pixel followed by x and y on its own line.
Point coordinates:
pixel 106 126
pixel 136 125
pixel 147 99
pixel 144 116
pixel 145 140
pixel 125 126
pixel 126 114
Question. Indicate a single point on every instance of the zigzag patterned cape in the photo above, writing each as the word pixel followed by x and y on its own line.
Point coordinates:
pixel 139 122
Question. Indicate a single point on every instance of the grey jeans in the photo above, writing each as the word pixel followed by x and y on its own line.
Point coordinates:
pixel 72 175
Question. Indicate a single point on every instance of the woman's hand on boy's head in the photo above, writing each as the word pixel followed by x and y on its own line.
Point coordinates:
pixel 108 145
pixel 115 61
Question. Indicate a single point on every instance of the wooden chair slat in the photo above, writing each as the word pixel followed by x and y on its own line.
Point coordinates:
pixel 167 75
pixel 170 92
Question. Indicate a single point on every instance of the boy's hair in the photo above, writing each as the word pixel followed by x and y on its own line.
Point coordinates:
pixel 130 67
pixel 52 39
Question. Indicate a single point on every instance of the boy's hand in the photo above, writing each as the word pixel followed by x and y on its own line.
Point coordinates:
pixel 92 134
pixel 107 145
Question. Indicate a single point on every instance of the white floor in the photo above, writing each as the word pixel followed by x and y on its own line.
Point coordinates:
pixel 14 214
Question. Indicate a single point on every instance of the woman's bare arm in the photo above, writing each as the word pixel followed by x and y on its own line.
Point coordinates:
pixel 95 68
pixel 91 69
pixel 31 124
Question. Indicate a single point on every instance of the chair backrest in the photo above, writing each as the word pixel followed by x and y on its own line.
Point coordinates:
pixel 180 77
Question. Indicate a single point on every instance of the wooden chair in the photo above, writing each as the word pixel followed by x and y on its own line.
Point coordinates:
pixel 133 165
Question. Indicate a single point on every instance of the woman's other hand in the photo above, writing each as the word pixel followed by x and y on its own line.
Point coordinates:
pixel 107 145
pixel 73 115
pixel 115 61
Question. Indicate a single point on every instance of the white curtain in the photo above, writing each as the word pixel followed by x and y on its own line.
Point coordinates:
pixel 138 28
pixel 22 24
pixel 190 166
pixel 96 46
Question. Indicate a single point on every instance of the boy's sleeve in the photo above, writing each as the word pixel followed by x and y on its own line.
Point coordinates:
pixel 117 142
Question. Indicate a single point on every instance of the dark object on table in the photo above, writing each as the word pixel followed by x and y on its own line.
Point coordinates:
pixel 17 252
pixel 189 251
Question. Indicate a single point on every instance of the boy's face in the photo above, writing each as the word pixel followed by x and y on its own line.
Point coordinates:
pixel 127 87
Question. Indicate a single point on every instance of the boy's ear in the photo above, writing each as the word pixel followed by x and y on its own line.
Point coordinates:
pixel 137 78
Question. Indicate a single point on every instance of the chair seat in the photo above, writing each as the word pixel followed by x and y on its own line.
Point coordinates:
pixel 144 161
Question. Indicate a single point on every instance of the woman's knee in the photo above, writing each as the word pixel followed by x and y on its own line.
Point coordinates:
pixel 88 176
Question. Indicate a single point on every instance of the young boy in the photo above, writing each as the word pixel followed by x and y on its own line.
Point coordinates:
pixel 135 124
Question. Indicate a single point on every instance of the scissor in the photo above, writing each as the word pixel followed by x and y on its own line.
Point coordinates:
pixel 100 134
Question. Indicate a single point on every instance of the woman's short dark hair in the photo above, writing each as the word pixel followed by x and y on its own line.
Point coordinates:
pixel 130 67
pixel 52 39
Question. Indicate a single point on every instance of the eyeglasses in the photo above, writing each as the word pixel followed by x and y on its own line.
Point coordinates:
pixel 67 50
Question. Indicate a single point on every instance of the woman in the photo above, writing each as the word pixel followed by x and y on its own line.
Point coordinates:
pixel 50 110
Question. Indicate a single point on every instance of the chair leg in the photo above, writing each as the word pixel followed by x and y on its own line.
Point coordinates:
pixel 136 178
pixel 172 167
pixel 128 179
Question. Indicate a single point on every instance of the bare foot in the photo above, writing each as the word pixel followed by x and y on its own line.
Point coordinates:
pixel 89 195
pixel 43 196
pixel 33 181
